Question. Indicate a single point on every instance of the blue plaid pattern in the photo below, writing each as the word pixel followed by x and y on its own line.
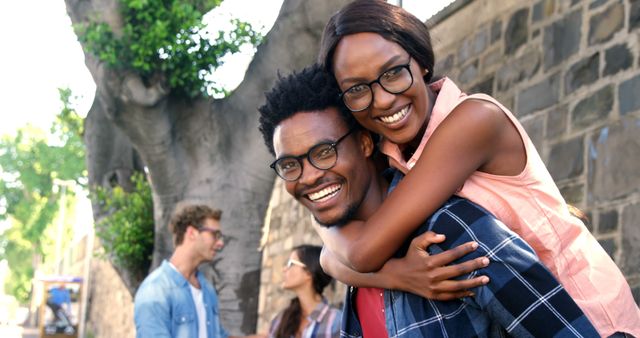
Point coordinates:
pixel 523 298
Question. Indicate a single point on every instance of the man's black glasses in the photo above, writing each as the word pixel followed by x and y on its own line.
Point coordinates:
pixel 322 156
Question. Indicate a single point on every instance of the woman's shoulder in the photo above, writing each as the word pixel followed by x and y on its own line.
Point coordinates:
pixel 477 115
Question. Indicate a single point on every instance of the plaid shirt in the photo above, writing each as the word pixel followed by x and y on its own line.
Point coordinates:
pixel 324 322
pixel 523 299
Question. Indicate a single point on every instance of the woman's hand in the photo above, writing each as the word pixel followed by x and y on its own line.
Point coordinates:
pixel 429 276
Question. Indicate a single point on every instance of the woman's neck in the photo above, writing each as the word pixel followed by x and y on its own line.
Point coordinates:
pixel 413 145
pixel 309 299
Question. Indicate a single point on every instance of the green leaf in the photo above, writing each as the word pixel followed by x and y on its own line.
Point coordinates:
pixel 166 37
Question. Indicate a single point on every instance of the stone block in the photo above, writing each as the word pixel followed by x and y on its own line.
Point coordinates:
pixel 635 291
pixel 582 73
pixel 608 221
pixel 535 129
pixel 537 12
pixel 561 39
pixel 594 108
pixel 628 97
pixel 535 33
pixel 491 58
pixel 609 245
pixel 617 58
pixel 566 159
pixel 469 73
pixel 604 25
pixel 557 121
pixel 481 41
pixel 465 51
pixel 597 3
pixel 444 66
pixel 517 31
pixel 573 194
pixel 634 14
pixel 589 222
pixel 518 70
pixel 542 10
pixel 630 262
pixel 496 31
pixel 613 161
pixel 485 87
pixel 539 96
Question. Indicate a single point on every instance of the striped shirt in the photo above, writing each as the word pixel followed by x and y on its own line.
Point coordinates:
pixel 523 299
pixel 323 322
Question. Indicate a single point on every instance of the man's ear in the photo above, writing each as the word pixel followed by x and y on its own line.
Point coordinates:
pixel 366 142
pixel 190 231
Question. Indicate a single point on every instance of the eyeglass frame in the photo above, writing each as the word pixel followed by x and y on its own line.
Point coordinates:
pixel 217 233
pixel 291 262
pixel 299 158
pixel 407 66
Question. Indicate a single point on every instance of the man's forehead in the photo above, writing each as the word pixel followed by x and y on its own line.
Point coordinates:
pixel 304 129
pixel 211 223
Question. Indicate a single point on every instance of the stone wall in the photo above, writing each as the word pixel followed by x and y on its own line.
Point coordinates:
pixel 570 71
pixel 110 308
pixel 287 224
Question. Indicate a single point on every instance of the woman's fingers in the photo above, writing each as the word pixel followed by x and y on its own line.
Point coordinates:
pixel 454 289
pixel 456 270
pixel 449 256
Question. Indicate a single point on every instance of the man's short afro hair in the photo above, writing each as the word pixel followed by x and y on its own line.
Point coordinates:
pixel 311 89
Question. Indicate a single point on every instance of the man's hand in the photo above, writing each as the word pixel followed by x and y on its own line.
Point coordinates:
pixel 429 276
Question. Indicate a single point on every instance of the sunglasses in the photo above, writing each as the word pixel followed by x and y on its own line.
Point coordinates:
pixel 292 262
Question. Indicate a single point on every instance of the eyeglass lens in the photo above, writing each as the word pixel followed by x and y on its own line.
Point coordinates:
pixel 322 156
pixel 395 81
pixel 217 234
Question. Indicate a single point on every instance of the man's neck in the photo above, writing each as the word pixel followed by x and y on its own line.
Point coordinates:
pixel 185 263
pixel 375 194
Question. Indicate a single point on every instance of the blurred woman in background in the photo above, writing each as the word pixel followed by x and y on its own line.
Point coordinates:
pixel 308 315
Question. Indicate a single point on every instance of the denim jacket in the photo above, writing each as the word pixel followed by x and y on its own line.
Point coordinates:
pixel 164 306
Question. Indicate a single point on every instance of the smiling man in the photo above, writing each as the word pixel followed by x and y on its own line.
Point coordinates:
pixel 326 161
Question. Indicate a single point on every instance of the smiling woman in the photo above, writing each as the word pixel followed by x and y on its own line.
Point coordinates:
pixel 448 142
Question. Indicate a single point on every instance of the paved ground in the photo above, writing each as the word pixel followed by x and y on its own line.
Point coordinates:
pixel 30 332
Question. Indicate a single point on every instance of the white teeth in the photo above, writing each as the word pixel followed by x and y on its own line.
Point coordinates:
pixel 395 117
pixel 325 193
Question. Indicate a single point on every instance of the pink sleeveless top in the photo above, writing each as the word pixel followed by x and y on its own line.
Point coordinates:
pixel 532 206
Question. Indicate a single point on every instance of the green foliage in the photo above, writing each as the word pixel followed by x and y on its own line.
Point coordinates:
pixel 19 253
pixel 32 165
pixel 167 39
pixel 127 231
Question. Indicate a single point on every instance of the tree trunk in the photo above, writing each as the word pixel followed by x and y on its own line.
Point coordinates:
pixel 199 151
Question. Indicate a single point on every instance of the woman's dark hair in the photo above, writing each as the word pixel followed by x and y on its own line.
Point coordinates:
pixel 292 315
pixel 377 16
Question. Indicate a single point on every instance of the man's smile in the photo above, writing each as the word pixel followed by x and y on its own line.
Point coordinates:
pixel 324 194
